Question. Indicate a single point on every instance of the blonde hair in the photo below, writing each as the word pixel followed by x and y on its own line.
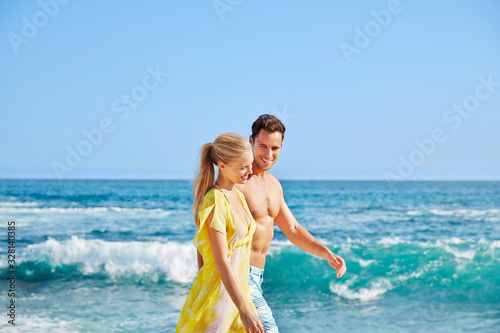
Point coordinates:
pixel 226 148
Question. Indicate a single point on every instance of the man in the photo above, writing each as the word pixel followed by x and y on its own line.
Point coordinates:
pixel 264 197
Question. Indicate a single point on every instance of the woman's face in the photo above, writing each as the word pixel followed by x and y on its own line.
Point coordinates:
pixel 238 170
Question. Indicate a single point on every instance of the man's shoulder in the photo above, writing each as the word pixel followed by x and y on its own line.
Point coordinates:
pixel 271 176
pixel 274 181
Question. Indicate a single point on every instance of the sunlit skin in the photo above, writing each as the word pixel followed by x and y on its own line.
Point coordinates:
pixel 236 172
pixel 264 196
pixel 266 150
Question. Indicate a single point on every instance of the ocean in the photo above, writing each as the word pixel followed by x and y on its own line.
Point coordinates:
pixel 117 256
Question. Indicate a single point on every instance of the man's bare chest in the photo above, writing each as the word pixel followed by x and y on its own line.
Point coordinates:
pixel 263 202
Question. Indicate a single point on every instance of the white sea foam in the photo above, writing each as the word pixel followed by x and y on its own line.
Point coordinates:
pixel 495 244
pixel 465 212
pixel 32 297
pixel 391 241
pixel 18 204
pixel 416 274
pixel 374 291
pixel 492 215
pixel 452 240
pixel 395 240
pixel 364 263
pixel 84 210
pixel 277 246
pixel 176 261
pixel 469 254
pixel 29 323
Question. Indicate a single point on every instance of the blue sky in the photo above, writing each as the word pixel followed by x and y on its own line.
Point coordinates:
pixel 406 90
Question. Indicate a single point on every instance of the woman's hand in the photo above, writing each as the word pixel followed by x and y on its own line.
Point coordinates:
pixel 251 321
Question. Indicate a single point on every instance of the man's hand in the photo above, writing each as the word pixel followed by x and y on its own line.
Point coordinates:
pixel 338 263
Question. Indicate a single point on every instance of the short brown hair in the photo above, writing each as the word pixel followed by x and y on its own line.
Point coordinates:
pixel 268 123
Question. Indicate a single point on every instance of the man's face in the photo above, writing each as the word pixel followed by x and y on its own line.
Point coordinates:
pixel 266 149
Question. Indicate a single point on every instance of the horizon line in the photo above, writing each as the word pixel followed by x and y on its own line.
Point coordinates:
pixel 284 179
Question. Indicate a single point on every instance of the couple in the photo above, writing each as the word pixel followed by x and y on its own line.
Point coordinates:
pixel 234 215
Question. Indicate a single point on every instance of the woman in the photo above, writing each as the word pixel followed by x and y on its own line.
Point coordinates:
pixel 219 300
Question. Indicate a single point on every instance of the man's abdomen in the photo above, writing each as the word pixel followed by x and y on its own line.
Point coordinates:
pixel 261 242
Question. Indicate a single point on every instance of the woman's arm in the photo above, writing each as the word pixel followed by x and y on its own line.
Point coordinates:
pixel 218 243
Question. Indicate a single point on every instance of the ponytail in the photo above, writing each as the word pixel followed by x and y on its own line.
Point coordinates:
pixel 203 180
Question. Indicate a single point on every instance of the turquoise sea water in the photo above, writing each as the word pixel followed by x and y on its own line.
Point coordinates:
pixel 104 256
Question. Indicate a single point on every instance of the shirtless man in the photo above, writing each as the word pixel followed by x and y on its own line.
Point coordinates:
pixel 264 197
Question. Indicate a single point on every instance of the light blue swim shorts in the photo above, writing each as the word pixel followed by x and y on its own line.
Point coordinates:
pixel 263 310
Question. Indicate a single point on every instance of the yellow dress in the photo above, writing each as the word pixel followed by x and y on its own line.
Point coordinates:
pixel 209 307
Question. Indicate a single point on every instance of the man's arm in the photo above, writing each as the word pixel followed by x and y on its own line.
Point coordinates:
pixel 299 236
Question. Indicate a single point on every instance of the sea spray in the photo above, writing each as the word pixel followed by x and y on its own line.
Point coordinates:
pixel 169 261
